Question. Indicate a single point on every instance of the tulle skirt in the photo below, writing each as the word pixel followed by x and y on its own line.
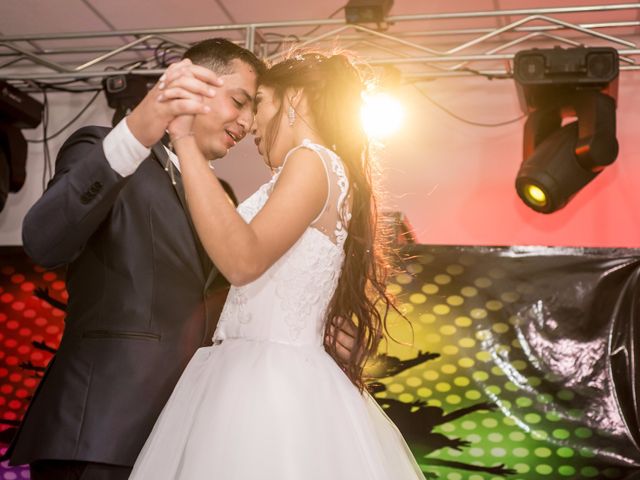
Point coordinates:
pixel 254 409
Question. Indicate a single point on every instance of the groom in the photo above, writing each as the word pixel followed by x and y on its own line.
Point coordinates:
pixel 142 291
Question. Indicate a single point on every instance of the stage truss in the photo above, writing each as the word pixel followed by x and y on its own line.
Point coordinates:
pixel 422 47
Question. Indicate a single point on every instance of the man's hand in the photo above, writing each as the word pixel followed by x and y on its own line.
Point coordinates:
pixel 180 91
pixel 344 334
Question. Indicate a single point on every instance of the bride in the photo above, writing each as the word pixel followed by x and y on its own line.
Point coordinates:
pixel 267 400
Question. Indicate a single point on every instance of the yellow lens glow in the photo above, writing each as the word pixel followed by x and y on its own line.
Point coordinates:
pixel 535 195
pixel 381 115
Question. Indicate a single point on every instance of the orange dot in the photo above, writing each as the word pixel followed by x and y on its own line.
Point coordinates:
pixel 10 343
pixel 8 270
pixel 12 324
pixel 15 404
pixel 29 313
pixel 22 393
pixel 2 401
pixel 59 285
pixel 12 361
pixel 49 276
pixel 38 268
pixel 6 389
pixel 57 313
pixel 10 416
pixel 30 382
pixel 24 332
pixel 17 278
pixel 27 287
pixel 52 329
pixel 3 317
pixel 41 321
pixel 6 298
pixel 23 349
pixel 65 295
pixel 15 377
pixel 18 306
pixel 4 372
pixel 36 356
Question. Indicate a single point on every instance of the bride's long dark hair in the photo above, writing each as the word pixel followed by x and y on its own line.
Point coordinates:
pixel 333 87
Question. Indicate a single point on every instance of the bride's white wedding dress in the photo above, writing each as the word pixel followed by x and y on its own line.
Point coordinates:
pixel 266 401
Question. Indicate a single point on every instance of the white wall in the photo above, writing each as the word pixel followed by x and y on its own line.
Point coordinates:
pixel 454 181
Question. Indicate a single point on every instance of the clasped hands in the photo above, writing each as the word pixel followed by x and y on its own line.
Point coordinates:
pixel 171 104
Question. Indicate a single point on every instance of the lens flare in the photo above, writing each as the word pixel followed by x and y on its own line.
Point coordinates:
pixel 381 115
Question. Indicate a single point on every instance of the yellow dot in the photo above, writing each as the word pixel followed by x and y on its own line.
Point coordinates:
pixel 430 288
pixel 483 356
pixel 435 403
pixel 455 269
pixel 430 375
pixel 406 397
pixel 455 300
pixel 425 258
pixel 441 309
pixel 415 268
pixel 395 388
pixel 497 371
pixel 453 399
pixel 427 318
pixel 494 305
pixel 443 387
pixel 515 321
pixel 461 381
pixel 519 365
pixel 450 350
pixel 472 394
pixel 447 330
pixel 497 273
pixel 483 335
pixel 463 321
pixel 417 298
pixel 394 289
pixel 466 362
pixel 500 327
pixel 467 342
pixel 482 282
pixel 469 291
pixel 414 381
pixel 442 279
pixel 510 297
pixel 478 313
pixel 432 338
pixel 424 392
pixel 406 308
pixel 449 369
pixel 404 279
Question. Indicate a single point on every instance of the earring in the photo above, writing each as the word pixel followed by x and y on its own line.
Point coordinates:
pixel 291 114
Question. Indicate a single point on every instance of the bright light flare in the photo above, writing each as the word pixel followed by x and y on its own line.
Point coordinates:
pixel 382 115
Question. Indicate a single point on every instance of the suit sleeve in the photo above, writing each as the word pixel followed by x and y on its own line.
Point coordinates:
pixel 77 200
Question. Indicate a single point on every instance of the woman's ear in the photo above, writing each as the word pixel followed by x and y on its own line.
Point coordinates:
pixel 294 95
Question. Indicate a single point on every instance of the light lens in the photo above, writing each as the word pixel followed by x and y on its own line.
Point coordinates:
pixel 381 115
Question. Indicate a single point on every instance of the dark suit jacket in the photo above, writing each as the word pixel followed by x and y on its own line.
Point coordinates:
pixel 138 280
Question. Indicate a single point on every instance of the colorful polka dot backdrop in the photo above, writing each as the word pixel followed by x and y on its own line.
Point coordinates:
pixel 498 368
pixel 24 319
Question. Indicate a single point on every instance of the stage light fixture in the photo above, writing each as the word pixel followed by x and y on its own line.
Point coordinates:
pixel 17 110
pixel 367 11
pixel 124 92
pixel 556 85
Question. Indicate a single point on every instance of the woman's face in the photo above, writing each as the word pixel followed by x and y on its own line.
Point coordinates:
pixel 267 106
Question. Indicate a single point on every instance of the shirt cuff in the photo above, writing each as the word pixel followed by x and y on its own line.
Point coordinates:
pixel 123 150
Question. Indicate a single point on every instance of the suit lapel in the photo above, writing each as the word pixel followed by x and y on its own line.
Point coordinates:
pixel 160 154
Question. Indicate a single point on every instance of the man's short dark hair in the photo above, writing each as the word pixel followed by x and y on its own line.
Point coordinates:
pixel 217 54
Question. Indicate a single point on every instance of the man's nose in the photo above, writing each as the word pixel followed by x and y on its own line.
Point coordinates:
pixel 246 121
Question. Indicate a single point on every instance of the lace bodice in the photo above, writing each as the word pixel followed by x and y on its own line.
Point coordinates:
pixel 288 302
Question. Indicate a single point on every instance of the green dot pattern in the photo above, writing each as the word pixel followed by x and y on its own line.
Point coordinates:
pixel 468 309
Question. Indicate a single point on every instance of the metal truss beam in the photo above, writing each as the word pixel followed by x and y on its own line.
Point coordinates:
pixel 411 43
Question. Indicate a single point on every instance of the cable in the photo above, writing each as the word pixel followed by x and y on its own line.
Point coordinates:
pixel 45 139
pixel 316 28
pixel 470 122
